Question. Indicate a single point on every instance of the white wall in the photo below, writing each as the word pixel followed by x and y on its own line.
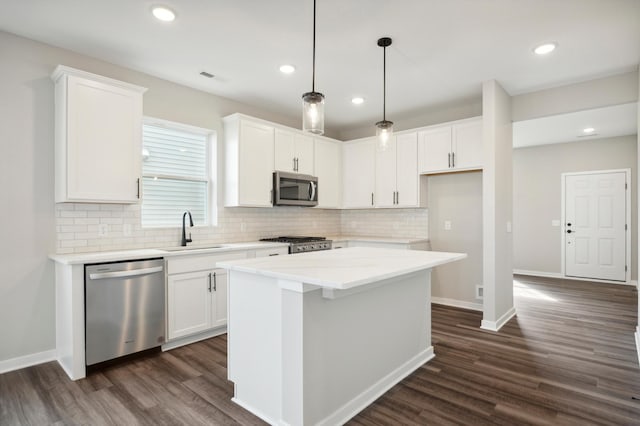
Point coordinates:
pixel 537 195
pixel 33 226
pixel 457 198
pixel 613 90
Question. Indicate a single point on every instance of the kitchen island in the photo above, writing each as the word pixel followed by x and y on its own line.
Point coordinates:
pixel 316 337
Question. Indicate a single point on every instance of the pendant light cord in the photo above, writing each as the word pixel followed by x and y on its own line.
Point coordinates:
pixel 384 83
pixel 313 75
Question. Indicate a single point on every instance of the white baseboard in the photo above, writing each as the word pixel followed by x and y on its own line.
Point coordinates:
pixel 457 303
pixel 638 342
pixel 194 338
pixel 559 275
pixel 497 325
pixel 27 361
pixel 537 273
pixel 359 403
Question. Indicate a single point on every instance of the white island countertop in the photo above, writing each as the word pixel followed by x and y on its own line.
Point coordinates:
pixel 343 269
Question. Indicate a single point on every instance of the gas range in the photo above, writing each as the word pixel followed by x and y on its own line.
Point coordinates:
pixel 302 244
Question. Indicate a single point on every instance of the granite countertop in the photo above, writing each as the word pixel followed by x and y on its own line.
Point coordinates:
pixel 343 269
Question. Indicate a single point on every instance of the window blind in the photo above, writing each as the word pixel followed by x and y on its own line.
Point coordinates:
pixel 175 176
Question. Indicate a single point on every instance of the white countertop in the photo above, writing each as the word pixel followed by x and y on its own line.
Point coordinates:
pixel 122 255
pixel 343 269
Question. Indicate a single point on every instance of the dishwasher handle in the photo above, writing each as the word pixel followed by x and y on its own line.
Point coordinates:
pixel 124 274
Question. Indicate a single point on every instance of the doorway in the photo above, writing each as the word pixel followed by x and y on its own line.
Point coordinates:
pixel 596 213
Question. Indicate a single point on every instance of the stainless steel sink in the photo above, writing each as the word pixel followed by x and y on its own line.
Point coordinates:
pixel 182 248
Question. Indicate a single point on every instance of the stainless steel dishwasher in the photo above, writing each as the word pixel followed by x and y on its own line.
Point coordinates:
pixel 124 308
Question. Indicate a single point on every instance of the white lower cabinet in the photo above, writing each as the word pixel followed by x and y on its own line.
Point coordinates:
pixel 196 294
pixel 194 305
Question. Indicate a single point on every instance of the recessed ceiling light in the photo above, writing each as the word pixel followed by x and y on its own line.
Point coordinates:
pixel 163 13
pixel 287 69
pixel 545 48
pixel 357 100
pixel 588 130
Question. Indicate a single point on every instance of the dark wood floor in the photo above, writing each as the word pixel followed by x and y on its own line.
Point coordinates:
pixel 569 358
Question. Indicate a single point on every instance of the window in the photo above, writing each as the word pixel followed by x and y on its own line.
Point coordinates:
pixel 175 173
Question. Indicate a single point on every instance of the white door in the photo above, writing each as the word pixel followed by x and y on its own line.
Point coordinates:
pixel 407 170
pixel 284 149
pixel 358 174
pixel 434 150
pixel 219 298
pixel 595 225
pixel 328 166
pixel 468 149
pixel 385 192
pixel 304 154
pixel 189 307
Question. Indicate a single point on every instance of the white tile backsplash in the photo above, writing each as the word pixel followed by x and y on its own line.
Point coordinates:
pixel 77 226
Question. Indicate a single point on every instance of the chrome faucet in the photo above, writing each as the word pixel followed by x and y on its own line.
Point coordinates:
pixel 186 240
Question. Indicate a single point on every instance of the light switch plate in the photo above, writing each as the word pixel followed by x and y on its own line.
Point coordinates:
pixel 447 225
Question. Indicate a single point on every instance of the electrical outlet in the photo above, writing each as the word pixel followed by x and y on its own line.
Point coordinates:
pixel 103 230
pixel 479 292
pixel 447 225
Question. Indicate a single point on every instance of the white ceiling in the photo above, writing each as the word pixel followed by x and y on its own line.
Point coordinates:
pixel 442 51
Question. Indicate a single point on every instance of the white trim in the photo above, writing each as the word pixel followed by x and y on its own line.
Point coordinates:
pixel 343 414
pixel 567 277
pixel 537 273
pixel 637 333
pixel 360 402
pixel 27 361
pixel 457 303
pixel 497 325
pixel 193 339
pixel 628 221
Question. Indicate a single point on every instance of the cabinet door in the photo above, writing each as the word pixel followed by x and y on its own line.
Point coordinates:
pixel 468 145
pixel 386 175
pixel 358 166
pixel 284 147
pixel 256 164
pixel 103 128
pixel 434 150
pixel 407 178
pixel 328 169
pixel 189 303
pixel 218 297
pixel 304 154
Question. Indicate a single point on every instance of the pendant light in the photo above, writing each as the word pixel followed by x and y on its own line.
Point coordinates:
pixel 313 102
pixel 384 128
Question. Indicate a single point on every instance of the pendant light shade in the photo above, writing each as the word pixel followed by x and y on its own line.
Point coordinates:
pixel 313 102
pixel 384 128
pixel 313 113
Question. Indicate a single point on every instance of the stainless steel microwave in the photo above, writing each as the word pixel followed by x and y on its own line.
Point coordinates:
pixel 293 189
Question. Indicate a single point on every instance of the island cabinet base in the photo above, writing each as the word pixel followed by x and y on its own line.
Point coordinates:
pixel 301 357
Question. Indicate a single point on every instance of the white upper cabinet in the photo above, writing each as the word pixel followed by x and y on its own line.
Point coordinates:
pixel 359 174
pixel 328 169
pixel 98 138
pixel 450 148
pixel 397 179
pixel 293 152
pixel 249 152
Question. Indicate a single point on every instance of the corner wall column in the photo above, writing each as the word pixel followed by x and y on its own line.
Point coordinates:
pixel 497 206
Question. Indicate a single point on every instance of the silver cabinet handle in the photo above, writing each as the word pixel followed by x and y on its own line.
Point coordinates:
pixel 453 159
pixel 209 282
pixel 372 198
pixel 449 159
pixel 138 185
pixel 312 191
pixel 215 282
pixel 122 274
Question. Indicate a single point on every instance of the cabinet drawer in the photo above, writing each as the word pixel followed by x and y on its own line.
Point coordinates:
pixel 274 251
pixel 200 262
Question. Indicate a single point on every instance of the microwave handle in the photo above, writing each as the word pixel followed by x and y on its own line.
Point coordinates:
pixel 312 190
